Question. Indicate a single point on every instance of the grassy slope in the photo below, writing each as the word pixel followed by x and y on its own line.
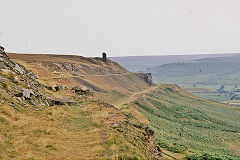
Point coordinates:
pixel 75 132
pixel 111 79
pixel 207 126
pixel 66 133
pixel 166 114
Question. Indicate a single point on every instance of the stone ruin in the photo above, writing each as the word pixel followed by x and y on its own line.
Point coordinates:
pixel 146 77
pixel 104 57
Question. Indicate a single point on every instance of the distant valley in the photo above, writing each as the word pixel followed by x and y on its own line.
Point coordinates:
pixel 203 75
pixel 144 63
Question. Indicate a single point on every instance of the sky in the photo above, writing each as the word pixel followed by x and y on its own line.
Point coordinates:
pixel 120 27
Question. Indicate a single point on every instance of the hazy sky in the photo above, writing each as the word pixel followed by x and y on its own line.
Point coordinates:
pixel 120 27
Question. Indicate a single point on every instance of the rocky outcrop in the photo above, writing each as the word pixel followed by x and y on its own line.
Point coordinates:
pixel 22 88
pixel 58 88
pixel 3 53
pixel 18 84
pixel 34 77
pixel 25 93
pixel 62 101
pixel 48 87
pixel 19 69
pixel 146 77
pixel 81 90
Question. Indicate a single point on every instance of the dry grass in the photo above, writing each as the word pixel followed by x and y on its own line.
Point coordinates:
pixel 86 66
pixel 54 133
pixel 62 133
pixel 76 132
pixel 109 77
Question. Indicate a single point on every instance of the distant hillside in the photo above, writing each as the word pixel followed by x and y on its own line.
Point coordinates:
pixel 144 63
pixel 208 73
pixel 190 125
pixel 208 70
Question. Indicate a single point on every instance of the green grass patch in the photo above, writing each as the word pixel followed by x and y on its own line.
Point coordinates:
pixel 185 122
pixel 207 156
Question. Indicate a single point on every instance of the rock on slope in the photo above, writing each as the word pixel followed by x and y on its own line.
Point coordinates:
pixel 18 85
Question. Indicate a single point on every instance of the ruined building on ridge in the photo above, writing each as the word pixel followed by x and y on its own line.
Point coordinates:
pixel 104 57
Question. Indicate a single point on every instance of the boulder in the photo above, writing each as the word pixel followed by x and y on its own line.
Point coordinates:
pixel 19 69
pixel 57 88
pixel 34 77
pixel 61 101
pixel 67 87
pixel 115 125
pixel 81 90
pixel 48 87
pixel 25 93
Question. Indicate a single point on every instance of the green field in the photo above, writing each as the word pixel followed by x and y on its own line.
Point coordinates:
pixel 212 95
pixel 227 87
pixel 192 125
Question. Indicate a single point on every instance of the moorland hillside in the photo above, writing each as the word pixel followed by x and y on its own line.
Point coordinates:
pixel 72 107
pixel 51 108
